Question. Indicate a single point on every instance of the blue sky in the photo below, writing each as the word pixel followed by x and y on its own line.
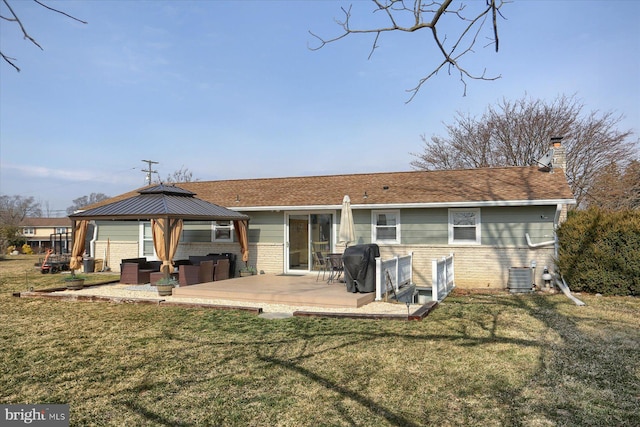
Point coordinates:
pixel 230 89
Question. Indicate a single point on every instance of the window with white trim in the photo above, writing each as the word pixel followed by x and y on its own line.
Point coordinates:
pixel 29 231
pixel 61 230
pixel 464 226
pixel 222 231
pixel 385 227
pixel 146 237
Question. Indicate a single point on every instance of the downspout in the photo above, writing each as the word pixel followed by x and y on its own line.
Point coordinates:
pixel 538 245
pixel 553 242
pixel 559 279
pixel 92 242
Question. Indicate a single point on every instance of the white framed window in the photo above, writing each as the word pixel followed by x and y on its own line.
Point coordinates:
pixel 385 227
pixel 61 230
pixel 146 238
pixel 29 231
pixel 464 226
pixel 222 231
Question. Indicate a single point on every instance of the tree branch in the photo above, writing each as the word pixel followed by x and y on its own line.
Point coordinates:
pixel 397 11
pixel 15 18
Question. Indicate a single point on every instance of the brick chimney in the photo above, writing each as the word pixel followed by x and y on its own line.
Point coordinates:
pixel 559 155
pixel 559 161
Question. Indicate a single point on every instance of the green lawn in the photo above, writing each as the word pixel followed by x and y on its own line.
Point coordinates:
pixel 476 360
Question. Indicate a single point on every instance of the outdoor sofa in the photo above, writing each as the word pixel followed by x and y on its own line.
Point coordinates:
pixel 135 271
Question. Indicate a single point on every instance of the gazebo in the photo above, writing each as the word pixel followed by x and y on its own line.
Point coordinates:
pixel 167 206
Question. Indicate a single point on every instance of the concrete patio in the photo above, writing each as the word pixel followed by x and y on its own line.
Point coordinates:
pixel 301 290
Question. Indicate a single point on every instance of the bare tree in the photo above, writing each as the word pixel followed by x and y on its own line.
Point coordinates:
pixel 13 209
pixel 83 201
pixel 181 175
pixel 616 188
pixel 12 16
pixel 412 16
pixel 515 133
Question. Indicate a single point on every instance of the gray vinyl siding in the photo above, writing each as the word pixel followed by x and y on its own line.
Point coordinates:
pixel 119 231
pixel 424 226
pixel 362 226
pixel 196 231
pixel 266 227
pixel 500 226
pixel 506 227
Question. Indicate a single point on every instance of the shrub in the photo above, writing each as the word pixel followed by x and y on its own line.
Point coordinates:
pixel 600 251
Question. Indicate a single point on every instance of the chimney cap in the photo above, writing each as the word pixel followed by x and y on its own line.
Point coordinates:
pixel 556 140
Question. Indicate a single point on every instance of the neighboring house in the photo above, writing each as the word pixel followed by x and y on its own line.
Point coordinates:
pixel 491 219
pixel 47 233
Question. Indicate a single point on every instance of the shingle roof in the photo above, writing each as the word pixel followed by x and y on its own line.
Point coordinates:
pixel 508 185
pixel 62 221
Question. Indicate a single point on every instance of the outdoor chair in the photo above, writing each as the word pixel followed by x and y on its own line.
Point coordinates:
pixel 188 275
pixel 206 271
pixel 336 267
pixel 320 263
pixel 221 271
pixel 132 274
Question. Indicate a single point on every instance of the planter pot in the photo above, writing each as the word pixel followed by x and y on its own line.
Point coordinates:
pixel 75 284
pixel 164 290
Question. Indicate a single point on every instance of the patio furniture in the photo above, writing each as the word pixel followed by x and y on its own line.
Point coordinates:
pixel 320 263
pixel 206 271
pixel 132 274
pixel 320 247
pixel 188 274
pixel 221 271
pixel 336 267
pixel 226 255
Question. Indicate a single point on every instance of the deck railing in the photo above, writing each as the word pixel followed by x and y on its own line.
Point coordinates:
pixel 391 274
pixel 442 275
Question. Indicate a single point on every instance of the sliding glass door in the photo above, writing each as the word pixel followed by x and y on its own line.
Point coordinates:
pixel 308 235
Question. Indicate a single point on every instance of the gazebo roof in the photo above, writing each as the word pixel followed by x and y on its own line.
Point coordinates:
pixel 161 201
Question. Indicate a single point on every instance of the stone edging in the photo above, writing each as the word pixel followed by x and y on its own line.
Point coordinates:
pixel 418 315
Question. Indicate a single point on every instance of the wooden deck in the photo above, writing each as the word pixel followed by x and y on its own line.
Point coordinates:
pixel 301 290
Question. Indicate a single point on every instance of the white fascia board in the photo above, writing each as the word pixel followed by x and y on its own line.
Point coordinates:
pixel 286 208
pixel 480 204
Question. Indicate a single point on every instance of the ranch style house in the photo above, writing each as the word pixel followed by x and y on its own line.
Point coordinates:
pixel 491 219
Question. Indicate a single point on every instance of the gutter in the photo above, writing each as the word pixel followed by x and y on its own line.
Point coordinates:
pixel 426 205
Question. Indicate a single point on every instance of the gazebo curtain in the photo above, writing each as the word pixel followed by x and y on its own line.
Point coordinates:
pixel 240 228
pixel 79 234
pixel 166 235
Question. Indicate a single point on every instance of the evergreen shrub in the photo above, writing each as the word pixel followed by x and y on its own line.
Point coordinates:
pixel 600 251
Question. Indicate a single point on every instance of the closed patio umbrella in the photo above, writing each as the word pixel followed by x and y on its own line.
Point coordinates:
pixel 347 233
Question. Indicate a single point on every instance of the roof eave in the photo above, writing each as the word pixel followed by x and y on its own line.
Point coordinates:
pixel 468 204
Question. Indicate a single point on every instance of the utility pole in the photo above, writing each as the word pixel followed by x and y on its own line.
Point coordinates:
pixel 150 170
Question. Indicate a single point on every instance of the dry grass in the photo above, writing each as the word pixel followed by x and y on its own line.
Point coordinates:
pixel 476 360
